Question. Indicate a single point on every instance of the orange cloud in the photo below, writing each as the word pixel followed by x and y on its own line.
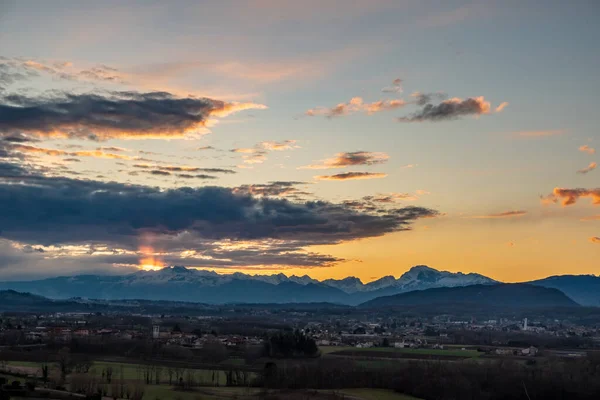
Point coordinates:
pixel 58 153
pixel 229 108
pixel 258 153
pixel 595 239
pixel 342 160
pixel 351 176
pixel 501 107
pixel 570 196
pixel 506 214
pixel 279 146
pixel 587 149
pixel 592 166
pixel 591 218
pixel 554 132
pixel 356 104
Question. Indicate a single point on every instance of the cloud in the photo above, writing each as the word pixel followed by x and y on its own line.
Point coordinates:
pixel 501 107
pixel 278 146
pixel 381 202
pixel 505 214
pixel 356 104
pixel 392 197
pixel 86 211
pixel 258 153
pixel 205 148
pixel 276 189
pixel 8 75
pixel 542 133
pixel 183 168
pixel 571 196
pixel 592 166
pixel 395 88
pixel 123 115
pixel 348 159
pixel 116 149
pixel 199 176
pixel 22 148
pixel 350 176
pixel 423 98
pixel 595 239
pixel 587 149
pixel 591 218
pixel 449 109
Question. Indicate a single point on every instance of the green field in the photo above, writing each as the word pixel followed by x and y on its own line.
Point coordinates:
pixel 450 352
pixel 135 372
pixel 376 394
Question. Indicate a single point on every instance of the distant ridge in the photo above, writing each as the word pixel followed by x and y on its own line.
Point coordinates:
pixel 505 296
pixel 584 289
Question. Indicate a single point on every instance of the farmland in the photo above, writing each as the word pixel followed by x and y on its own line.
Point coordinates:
pixel 400 353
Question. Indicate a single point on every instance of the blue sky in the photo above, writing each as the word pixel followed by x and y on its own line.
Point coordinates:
pixel 276 60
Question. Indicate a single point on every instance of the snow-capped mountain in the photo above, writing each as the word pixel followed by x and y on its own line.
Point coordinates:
pixel 189 284
pixel 423 277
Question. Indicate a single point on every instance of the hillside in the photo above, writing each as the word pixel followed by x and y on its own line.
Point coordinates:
pixel 505 296
pixel 584 289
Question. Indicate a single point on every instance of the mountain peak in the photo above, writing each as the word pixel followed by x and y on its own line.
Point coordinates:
pixel 178 269
pixel 420 268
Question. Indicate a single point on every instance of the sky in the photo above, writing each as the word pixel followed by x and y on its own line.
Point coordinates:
pixel 327 138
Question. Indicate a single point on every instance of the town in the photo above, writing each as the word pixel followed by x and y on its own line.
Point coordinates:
pixel 232 346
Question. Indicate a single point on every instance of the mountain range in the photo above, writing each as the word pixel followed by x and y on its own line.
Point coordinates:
pixel 187 284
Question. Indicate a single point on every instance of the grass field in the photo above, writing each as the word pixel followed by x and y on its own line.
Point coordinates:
pixel 325 350
pixel 134 372
pixel 376 394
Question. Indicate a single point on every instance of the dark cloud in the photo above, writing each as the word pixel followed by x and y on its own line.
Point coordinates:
pixel 351 176
pixel 17 139
pixel 159 172
pixel 199 176
pixel 505 214
pixel 175 168
pixel 449 109
pixel 275 189
pixel 349 159
pixel 424 98
pixel 113 149
pixel 83 211
pixel 126 115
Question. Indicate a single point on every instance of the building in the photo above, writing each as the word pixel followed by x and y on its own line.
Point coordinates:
pixel 155 332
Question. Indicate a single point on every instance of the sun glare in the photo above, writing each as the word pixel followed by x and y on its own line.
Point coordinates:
pixel 149 261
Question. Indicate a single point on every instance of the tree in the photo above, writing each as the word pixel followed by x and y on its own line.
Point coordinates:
pixel 45 373
pixel 385 342
pixel 64 362
pixel 170 372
